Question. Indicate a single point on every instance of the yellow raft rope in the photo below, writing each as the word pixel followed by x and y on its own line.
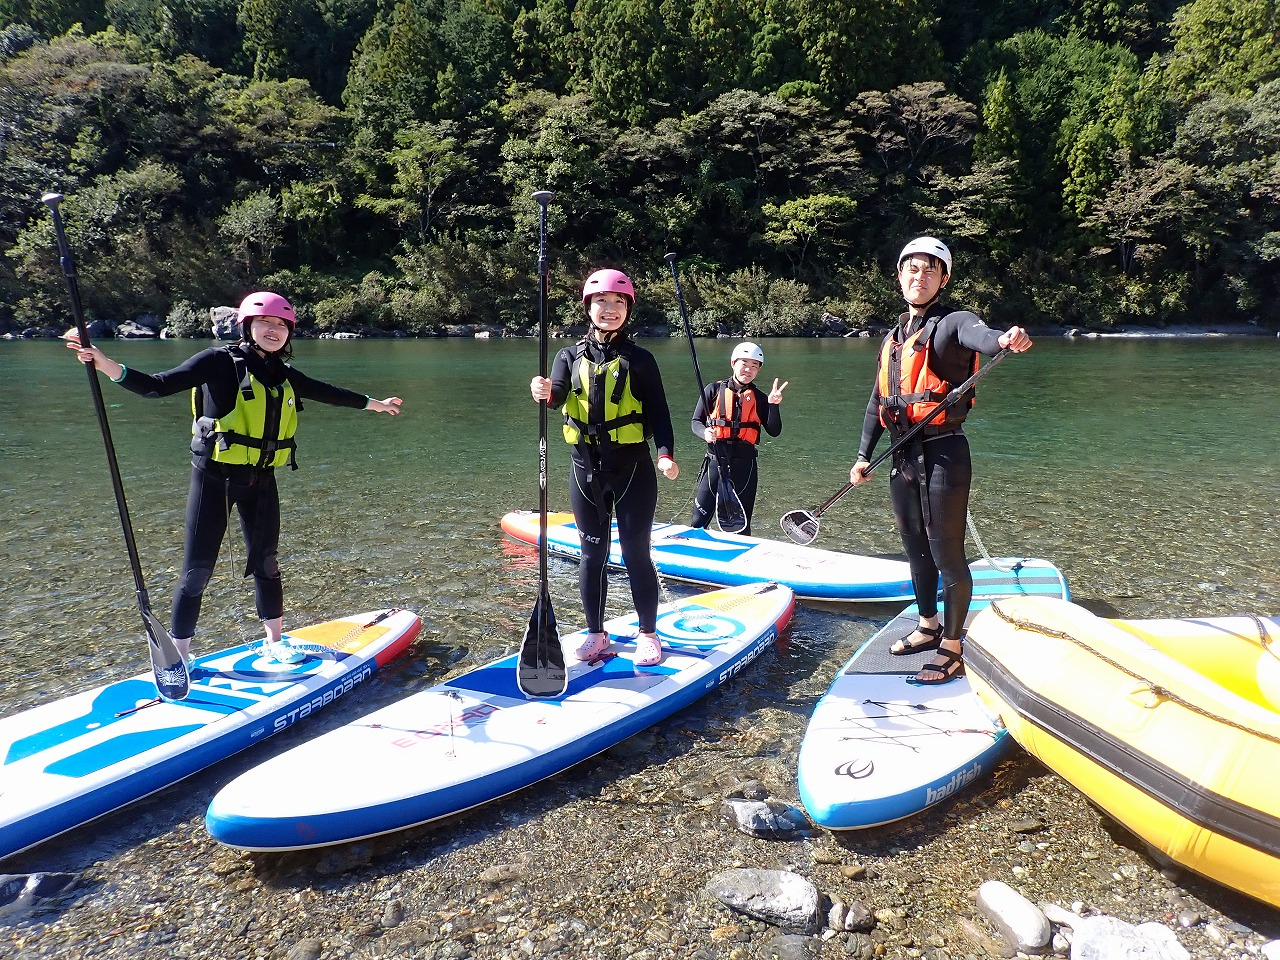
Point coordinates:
pixel 1162 693
pixel 1264 635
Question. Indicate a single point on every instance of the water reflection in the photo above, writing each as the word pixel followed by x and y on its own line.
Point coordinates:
pixel 1115 460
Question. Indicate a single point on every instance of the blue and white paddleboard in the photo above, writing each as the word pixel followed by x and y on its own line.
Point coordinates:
pixel 728 559
pixel 878 748
pixel 474 738
pixel 67 762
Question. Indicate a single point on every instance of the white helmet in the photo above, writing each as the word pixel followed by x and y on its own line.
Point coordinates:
pixel 930 246
pixel 747 351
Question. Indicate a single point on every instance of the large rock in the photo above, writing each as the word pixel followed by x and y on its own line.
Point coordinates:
pixel 22 894
pixel 98 330
pixel 224 321
pixel 778 897
pixel 137 330
pixel 768 819
pixel 1019 920
pixel 1108 938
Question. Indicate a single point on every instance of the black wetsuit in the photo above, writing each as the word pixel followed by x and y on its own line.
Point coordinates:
pixel 931 510
pixel 617 478
pixel 216 487
pixel 739 455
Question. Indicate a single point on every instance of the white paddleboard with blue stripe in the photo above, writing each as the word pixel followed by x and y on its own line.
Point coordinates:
pixel 475 738
pixel 878 748
pixel 66 762
pixel 708 556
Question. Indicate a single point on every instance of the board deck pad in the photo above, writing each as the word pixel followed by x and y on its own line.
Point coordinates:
pixel 474 738
pixel 878 747
pixel 71 760
pixel 705 556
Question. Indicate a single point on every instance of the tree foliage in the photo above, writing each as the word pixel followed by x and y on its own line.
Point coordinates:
pixel 1099 162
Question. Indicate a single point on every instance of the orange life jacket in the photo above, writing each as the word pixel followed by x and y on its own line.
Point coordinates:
pixel 909 389
pixel 734 415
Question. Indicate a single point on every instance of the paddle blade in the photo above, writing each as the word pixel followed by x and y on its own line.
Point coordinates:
pixel 170 670
pixel 800 525
pixel 540 671
pixel 730 516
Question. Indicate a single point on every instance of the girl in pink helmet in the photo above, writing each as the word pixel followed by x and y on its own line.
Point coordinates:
pixel 933 349
pixel 614 402
pixel 245 399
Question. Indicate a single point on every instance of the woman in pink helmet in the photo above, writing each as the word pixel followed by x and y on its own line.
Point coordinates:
pixel 933 349
pixel 245 398
pixel 614 401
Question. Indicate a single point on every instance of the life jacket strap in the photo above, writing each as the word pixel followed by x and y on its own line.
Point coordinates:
pixel 267 448
pixel 599 432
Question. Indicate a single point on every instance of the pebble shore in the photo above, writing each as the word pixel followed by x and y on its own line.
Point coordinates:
pixel 612 860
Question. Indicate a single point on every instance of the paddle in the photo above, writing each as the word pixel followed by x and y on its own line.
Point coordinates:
pixel 167 664
pixel 802 525
pixel 541 671
pixel 730 516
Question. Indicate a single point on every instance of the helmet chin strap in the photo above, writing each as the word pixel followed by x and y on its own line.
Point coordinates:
pixel 924 308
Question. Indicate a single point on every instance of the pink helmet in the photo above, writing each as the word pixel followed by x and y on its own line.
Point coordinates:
pixel 266 304
pixel 609 281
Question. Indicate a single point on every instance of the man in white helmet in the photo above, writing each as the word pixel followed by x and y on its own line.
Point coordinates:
pixel 729 417
pixel 933 348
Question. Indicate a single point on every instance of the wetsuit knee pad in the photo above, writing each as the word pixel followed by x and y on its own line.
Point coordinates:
pixel 195 580
pixel 267 568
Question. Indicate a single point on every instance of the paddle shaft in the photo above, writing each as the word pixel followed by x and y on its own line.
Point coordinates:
pixel 952 398
pixel 722 469
pixel 95 388
pixel 543 197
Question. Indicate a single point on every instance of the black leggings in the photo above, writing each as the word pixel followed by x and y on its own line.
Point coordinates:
pixel 937 546
pixel 628 488
pixel 742 474
pixel 214 490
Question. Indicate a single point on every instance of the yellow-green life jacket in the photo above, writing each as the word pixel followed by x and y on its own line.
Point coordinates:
pixel 258 431
pixel 600 407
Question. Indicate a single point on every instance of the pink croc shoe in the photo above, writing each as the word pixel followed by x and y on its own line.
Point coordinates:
pixel 648 650
pixel 592 647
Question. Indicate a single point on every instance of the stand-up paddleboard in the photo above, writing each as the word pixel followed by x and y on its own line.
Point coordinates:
pixel 706 556
pixel 475 738
pixel 879 748
pixel 67 762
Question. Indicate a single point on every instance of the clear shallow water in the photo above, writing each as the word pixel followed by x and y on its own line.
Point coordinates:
pixel 1131 464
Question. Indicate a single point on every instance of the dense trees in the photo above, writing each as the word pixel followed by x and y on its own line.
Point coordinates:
pixel 1094 163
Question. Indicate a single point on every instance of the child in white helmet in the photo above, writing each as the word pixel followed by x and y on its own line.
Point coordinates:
pixel 729 417
pixel 245 397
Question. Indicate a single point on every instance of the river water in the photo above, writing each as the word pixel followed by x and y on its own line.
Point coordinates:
pixel 1135 465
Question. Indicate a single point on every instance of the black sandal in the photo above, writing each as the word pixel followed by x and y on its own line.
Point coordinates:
pixel 902 648
pixel 952 666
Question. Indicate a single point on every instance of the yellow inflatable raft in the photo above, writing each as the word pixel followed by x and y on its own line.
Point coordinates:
pixel 1170 726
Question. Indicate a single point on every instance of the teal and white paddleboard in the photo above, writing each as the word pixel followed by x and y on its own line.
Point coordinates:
pixel 879 748
pixel 475 738
pixel 707 556
pixel 66 762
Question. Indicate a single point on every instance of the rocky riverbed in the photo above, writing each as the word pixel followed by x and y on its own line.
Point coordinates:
pixel 612 860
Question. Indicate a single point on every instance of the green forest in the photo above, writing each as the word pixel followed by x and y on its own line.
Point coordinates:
pixel 1091 164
